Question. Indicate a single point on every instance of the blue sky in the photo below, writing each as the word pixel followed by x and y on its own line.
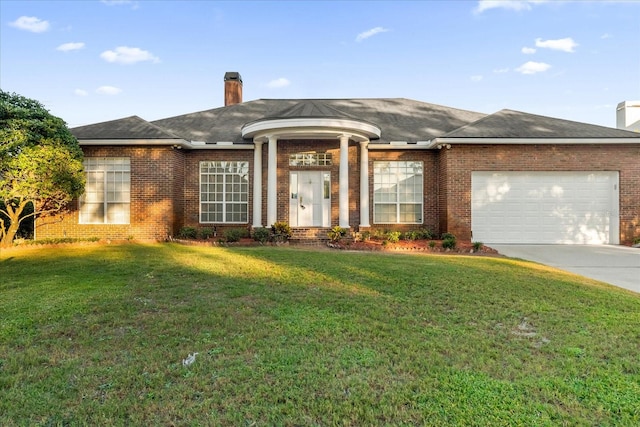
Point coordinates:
pixel 91 61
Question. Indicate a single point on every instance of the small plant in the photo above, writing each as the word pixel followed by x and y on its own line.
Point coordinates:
pixel 261 235
pixel 477 246
pixel 411 235
pixel 365 235
pixel 448 241
pixel 232 235
pixel 188 233
pixel 281 231
pixel 378 235
pixel 425 234
pixel 336 233
pixel 636 241
pixel 394 236
pixel 207 232
pixel 432 244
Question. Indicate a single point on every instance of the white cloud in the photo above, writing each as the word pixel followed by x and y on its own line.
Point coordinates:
pixel 528 50
pixel 506 4
pixel 81 92
pixel 66 47
pixel 476 78
pixel 565 45
pixel 533 67
pixel 128 55
pixel 278 83
pixel 30 23
pixel 370 33
pixel 108 90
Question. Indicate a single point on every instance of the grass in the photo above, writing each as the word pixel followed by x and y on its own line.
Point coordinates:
pixel 96 335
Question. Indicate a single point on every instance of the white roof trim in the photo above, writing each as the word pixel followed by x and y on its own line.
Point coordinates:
pixel 310 126
pixel 435 143
pixel 177 143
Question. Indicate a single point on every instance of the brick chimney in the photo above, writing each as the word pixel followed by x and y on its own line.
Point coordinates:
pixel 232 88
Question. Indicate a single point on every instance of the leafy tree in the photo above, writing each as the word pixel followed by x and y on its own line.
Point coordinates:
pixel 40 163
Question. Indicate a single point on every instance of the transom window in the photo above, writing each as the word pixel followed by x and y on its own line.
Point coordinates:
pixel 310 159
pixel 397 192
pixel 107 194
pixel 224 192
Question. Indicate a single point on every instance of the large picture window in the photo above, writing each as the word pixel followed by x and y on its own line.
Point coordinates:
pixel 224 192
pixel 107 194
pixel 397 192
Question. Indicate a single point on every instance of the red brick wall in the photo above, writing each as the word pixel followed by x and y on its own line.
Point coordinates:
pixel 165 184
pixel 457 164
pixel 156 193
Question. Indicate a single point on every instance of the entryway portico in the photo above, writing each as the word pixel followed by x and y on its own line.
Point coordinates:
pixel 309 199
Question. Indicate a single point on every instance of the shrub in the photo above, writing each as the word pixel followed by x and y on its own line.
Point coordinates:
pixel 281 231
pixel 411 235
pixel 261 234
pixel 207 232
pixel 432 244
pixel 378 234
pixel 446 236
pixel 234 234
pixel 337 233
pixel 393 236
pixel 449 241
pixel 636 240
pixel 477 246
pixel 425 234
pixel 365 235
pixel 188 233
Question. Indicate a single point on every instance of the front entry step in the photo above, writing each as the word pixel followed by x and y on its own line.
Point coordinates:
pixel 309 235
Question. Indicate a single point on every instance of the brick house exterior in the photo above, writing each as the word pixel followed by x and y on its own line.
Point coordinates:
pixel 363 164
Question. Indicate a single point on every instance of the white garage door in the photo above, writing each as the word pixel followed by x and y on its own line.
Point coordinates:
pixel 545 207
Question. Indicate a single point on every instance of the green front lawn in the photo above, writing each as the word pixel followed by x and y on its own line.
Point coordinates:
pixel 96 335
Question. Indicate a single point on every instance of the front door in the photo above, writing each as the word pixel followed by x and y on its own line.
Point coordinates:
pixel 309 199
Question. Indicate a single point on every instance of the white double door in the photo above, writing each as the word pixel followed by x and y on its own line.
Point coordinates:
pixel 310 199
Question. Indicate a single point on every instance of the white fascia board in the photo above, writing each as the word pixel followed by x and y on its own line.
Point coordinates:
pixel 277 126
pixel 372 146
pixel 181 143
pixel 532 141
pixel 170 142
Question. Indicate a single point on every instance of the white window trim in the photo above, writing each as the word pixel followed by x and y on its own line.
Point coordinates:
pixel 224 202
pixel 398 203
pixel 81 202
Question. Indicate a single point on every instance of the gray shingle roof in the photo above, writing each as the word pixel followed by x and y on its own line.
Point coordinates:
pixel 516 124
pixel 132 127
pixel 398 118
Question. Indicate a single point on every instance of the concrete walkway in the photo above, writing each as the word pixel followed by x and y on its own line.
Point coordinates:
pixel 616 265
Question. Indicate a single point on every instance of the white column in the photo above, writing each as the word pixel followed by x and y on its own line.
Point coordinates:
pixel 272 182
pixel 364 184
pixel 343 199
pixel 257 184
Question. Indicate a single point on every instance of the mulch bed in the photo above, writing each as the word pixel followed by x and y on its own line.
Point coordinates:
pixel 462 248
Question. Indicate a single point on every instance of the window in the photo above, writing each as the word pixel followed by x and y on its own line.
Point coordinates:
pixel 224 192
pixel 310 159
pixel 397 192
pixel 107 194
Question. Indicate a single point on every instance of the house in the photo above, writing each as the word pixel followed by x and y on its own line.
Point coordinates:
pixel 362 164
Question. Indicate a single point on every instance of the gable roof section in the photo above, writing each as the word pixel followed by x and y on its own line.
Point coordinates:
pixel 128 128
pixel 510 124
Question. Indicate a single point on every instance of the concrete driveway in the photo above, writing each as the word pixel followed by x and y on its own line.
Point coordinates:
pixel 616 265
